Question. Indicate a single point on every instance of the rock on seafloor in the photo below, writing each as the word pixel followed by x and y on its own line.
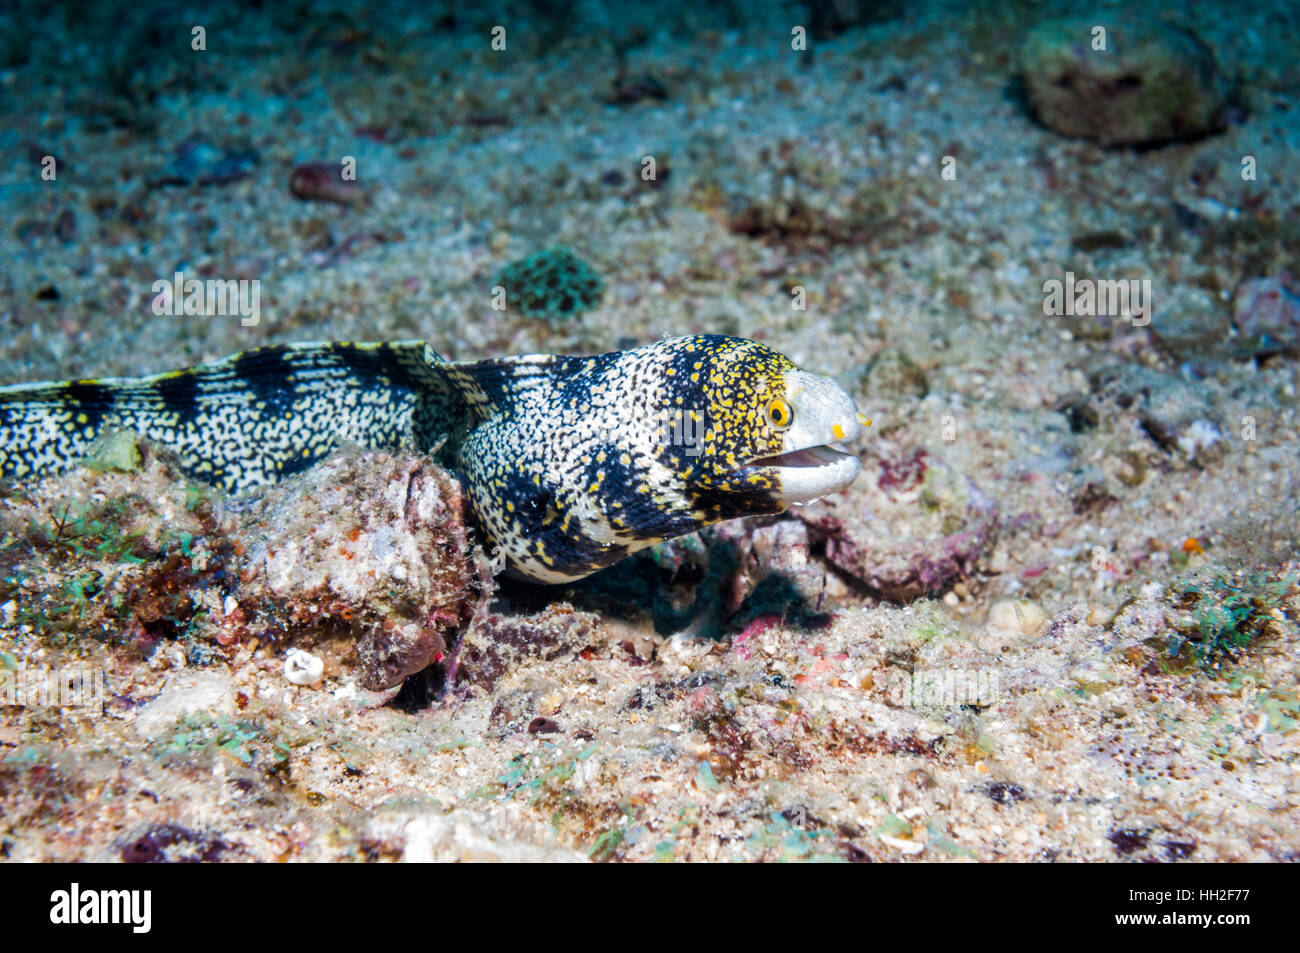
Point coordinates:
pixel 1264 321
pixel 370 546
pixel 1175 413
pixel 892 374
pixel 1266 312
pixel 1152 83
pixel 779 550
pixel 323 181
pixel 912 524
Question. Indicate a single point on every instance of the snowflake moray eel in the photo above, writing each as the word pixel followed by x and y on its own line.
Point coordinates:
pixel 570 463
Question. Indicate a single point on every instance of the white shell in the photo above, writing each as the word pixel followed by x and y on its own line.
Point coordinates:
pixel 302 668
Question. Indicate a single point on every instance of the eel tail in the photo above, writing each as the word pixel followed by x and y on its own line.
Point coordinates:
pixel 244 421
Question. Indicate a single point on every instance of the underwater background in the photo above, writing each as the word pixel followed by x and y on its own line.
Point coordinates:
pixel 1052 250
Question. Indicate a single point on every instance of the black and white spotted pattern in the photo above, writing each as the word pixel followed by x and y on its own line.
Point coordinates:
pixel 570 463
pixel 574 462
pixel 242 422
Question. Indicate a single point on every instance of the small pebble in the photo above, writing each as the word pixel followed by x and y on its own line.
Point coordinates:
pixel 1017 619
pixel 323 181
pixel 1099 615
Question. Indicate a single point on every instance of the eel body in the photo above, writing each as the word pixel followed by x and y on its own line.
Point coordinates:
pixel 570 463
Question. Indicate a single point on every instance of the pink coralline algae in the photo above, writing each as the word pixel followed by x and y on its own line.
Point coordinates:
pixel 911 526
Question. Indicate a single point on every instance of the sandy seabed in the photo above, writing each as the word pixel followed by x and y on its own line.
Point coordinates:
pixel 1084 500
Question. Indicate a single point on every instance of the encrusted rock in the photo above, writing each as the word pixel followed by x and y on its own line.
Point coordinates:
pixel 323 181
pixel 1266 312
pixel 774 556
pixel 1174 412
pixel 498 643
pixel 1197 334
pixel 1265 321
pixel 892 374
pixel 1152 83
pixel 369 545
pixel 910 526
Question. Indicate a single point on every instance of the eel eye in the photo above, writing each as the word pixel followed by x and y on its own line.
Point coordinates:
pixel 779 414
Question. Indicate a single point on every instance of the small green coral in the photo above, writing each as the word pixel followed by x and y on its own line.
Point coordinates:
pixel 1227 614
pixel 554 284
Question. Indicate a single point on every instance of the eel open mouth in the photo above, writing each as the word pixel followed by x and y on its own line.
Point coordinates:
pixel 811 473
